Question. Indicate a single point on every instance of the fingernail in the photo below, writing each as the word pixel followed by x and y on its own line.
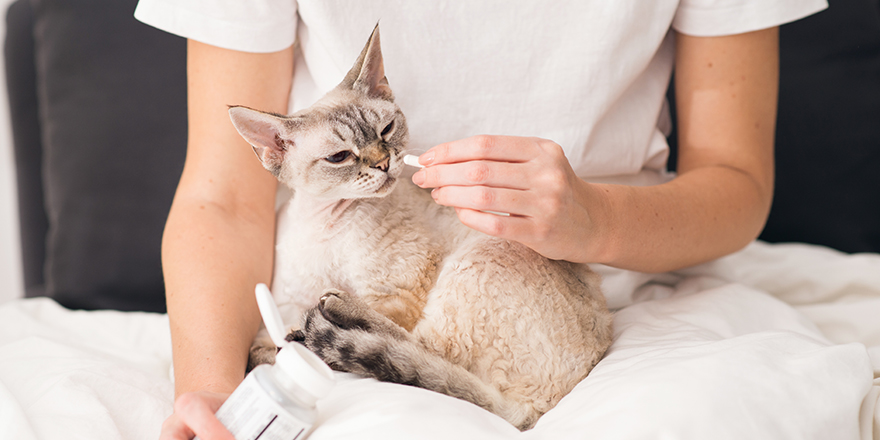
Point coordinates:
pixel 419 177
pixel 426 158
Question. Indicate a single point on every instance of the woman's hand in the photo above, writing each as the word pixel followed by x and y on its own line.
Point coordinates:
pixel 194 415
pixel 528 178
pixel 726 94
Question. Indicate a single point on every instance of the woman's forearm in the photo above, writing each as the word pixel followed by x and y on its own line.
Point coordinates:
pixel 212 260
pixel 699 216
pixel 218 241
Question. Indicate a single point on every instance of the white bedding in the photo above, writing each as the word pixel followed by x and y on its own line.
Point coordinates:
pixel 776 341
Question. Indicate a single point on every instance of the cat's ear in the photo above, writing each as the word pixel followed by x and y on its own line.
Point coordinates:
pixel 368 72
pixel 266 132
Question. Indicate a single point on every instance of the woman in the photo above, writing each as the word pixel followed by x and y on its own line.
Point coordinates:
pixel 589 75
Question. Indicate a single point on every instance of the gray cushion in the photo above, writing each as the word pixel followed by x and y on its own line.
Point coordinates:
pixel 828 130
pixel 112 99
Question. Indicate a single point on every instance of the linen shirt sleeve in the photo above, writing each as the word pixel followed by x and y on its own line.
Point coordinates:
pixel 249 26
pixel 712 18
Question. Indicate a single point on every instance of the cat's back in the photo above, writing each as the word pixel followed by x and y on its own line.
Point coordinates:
pixel 515 318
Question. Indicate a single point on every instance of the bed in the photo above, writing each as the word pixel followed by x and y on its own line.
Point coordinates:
pixel 780 340
pixel 796 325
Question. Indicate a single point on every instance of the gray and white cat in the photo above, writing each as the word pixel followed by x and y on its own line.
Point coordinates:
pixel 390 285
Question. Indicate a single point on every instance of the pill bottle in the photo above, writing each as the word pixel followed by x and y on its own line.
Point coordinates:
pixel 276 402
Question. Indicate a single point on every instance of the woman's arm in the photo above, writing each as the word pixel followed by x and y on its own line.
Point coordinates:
pixel 218 241
pixel 726 94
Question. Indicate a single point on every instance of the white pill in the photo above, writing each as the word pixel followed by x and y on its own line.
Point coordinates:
pixel 412 161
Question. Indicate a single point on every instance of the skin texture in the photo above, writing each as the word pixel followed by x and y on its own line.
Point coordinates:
pixel 726 91
pixel 218 241
pixel 219 238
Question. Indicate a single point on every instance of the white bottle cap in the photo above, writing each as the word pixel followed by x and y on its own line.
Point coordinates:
pixel 306 368
pixel 271 315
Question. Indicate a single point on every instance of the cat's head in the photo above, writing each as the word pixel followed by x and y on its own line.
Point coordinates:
pixel 348 145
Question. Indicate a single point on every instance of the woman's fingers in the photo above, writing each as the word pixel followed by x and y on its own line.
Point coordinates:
pixel 484 147
pixel 512 227
pixel 477 172
pixel 194 415
pixel 197 410
pixel 483 198
pixel 494 161
pixel 528 178
pixel 174 429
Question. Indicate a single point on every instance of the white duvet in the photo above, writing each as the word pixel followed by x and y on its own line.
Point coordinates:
pixel 775 342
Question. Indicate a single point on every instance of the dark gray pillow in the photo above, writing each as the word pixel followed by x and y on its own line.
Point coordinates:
pixel 112 100
pixel 828 130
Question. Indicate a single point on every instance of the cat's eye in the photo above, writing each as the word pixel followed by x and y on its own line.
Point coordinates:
pixel 387 129
pixel 338 157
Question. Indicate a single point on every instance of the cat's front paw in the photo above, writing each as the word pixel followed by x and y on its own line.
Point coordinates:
pixel 350 312
pixel 342 328
pixel 327 340
pixel 295 336
pixel 263 349
pixel 344 310
pixel 341 331
pixel 262 352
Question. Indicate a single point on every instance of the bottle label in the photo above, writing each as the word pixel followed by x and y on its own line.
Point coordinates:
pixel 250 414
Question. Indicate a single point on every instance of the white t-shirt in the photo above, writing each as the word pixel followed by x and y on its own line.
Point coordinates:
pixel 590 75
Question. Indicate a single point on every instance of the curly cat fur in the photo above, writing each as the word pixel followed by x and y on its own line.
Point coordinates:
pixel 390 285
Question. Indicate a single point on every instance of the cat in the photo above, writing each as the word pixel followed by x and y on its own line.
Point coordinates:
pixel 390 285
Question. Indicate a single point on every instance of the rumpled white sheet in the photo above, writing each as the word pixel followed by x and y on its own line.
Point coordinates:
pixel 776 341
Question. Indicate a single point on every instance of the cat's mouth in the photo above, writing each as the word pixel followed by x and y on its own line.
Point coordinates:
pixel 387 186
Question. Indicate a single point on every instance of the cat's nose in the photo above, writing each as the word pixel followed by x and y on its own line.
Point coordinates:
pixel 382 165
